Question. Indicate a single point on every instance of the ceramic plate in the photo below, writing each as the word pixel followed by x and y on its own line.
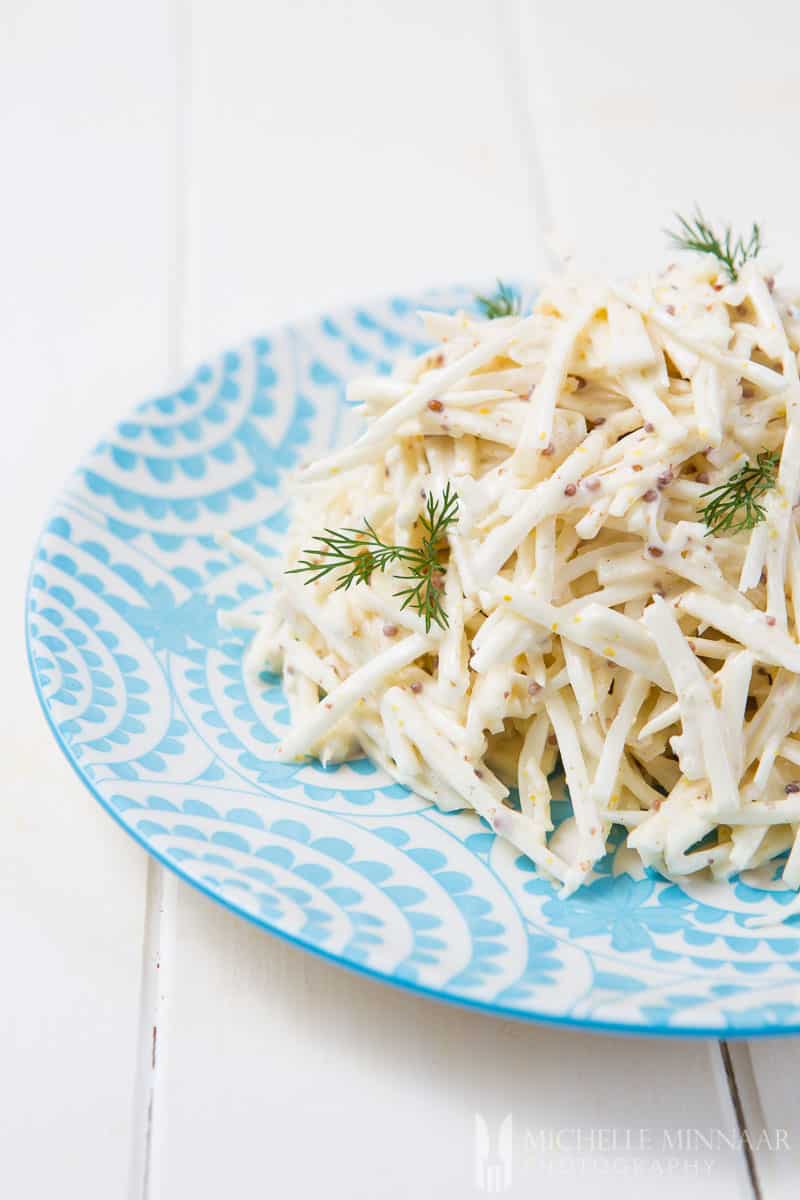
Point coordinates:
pixel 147 698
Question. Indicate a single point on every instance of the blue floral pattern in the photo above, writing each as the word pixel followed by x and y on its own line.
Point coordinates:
pixel 617 908
pixel 146 694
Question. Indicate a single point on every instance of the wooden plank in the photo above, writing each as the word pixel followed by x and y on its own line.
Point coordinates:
pixel 84 120
pixel 642 114
pixel 339 151
pixel 290 1074
pixel 775 1066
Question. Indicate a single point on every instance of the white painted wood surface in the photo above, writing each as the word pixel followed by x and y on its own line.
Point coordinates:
pixel 84 239
pixel 178 175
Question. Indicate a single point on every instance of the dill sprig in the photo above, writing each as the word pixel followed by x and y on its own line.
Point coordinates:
pixel 504 303
pixel 359 552
pixel 731 253
pixel 733 506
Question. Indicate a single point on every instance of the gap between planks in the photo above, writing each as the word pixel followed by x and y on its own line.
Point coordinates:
pixel 148 1127
pixel 149 1124
pixel 740 1107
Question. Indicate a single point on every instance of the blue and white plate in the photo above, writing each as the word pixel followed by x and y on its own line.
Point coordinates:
pixel 147 697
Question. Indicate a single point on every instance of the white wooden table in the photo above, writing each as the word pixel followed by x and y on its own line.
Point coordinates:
pixel 176 176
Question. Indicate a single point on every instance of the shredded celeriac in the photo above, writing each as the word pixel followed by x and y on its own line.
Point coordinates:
pixel 591 617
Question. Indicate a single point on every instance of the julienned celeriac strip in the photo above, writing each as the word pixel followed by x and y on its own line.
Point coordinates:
pixel 587 613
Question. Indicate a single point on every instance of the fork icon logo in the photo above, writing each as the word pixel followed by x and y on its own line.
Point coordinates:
pixel 493 1166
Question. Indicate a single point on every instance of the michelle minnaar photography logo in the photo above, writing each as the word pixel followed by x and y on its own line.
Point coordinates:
pixel 503 1152
pixel 493 1155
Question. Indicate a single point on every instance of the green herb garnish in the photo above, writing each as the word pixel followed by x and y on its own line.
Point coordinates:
pixel 733 506
pixel 504 303
pixel 731 253
pixel 359 552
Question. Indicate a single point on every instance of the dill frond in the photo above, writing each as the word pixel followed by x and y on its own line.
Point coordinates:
pixel 504 303
pixel 729 251
pixel 356 553
pixel 734 505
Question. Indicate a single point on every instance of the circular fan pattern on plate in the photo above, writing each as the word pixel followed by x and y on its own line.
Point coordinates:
pixel 146 694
